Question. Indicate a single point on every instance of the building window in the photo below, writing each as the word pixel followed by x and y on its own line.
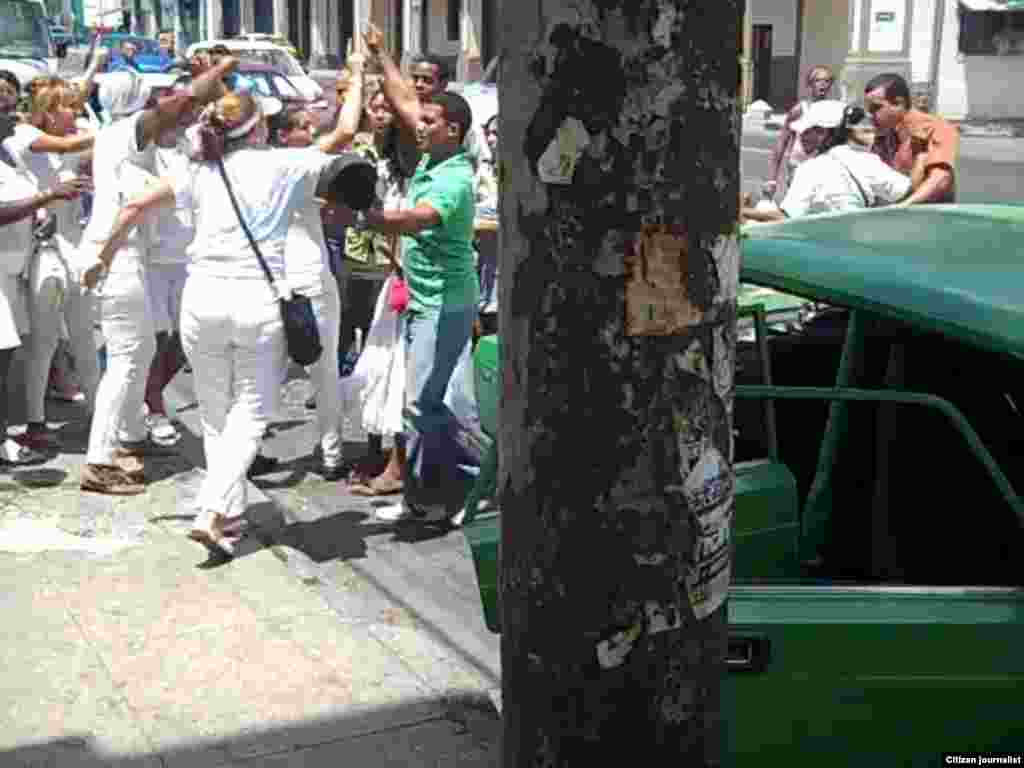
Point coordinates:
pixel 986 33
pixel 454 20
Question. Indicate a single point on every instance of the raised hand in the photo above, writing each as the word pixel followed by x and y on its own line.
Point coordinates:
pixel 373 38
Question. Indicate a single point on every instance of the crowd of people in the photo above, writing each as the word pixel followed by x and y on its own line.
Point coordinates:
pixel 833 157
pixel 174 224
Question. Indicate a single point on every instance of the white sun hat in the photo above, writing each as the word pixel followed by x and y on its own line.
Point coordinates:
pixel 827 113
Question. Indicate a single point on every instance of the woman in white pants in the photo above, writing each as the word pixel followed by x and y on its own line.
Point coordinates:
pixel 123 168
pixel 307 268
pixel 20 200
pixel 230 318
pixel 49 148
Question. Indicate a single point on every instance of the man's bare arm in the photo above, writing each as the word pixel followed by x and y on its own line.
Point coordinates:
pixel 351 111
pixel 397 90
pixel 204 89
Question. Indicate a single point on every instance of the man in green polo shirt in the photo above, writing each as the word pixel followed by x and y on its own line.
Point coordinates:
pixel 439 267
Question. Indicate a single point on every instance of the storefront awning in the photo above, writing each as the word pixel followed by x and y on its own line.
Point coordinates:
pixel 993 5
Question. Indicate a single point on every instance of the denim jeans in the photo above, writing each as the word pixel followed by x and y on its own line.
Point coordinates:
pixel 434 342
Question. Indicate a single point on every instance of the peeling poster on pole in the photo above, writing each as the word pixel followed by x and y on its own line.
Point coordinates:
pixel 657 303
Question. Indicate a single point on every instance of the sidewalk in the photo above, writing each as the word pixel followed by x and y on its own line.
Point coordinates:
pixel 126 646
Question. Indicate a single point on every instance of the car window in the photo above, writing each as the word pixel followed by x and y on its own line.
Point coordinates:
pixel 259 83
pixel 277 59
pixel 285 88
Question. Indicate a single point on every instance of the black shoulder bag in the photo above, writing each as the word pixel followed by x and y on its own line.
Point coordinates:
pixel 300 328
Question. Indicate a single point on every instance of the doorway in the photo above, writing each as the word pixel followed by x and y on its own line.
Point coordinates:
pixel 761 58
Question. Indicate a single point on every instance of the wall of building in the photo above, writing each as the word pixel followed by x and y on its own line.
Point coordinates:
pixel 437 29
pixel 826 37
pixel 975 87
pixel 781 15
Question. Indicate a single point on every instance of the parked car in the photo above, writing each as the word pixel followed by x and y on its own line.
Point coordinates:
pixel 266 53
pixel 278 40
pixel 269 81
pixel 876 612
pixel 148 59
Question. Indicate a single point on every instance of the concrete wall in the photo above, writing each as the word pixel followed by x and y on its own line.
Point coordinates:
pixel 826 35
pixel 437 29
pixel 781 15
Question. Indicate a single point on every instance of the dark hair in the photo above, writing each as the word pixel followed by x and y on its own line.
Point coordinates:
pixel 841 133
pixel 219 50
pixel 491 119
pixel 444 73
pixel 11 79
pixel 892 85
pixel 285 120
pixel 455 110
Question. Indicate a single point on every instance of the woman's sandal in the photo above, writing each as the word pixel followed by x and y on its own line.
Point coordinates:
pixel 377 486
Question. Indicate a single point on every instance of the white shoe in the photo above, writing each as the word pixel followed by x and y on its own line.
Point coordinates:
pixel 394 513
pixel 162 431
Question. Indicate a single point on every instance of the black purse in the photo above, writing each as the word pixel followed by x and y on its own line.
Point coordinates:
pixel 300 328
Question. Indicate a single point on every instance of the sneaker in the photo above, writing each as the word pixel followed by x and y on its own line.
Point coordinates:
pixel 37 440
pixel 65 394
pixel 142 448
pixel 108 479
pixel 13 453
pixel 161 430
pixel 394 513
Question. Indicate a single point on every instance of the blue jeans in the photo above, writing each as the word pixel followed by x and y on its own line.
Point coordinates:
pixel 434 342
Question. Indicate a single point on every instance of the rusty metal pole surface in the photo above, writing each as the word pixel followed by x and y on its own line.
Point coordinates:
pixel 620 262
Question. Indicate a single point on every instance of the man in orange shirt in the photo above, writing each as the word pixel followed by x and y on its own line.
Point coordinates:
pixel 923 146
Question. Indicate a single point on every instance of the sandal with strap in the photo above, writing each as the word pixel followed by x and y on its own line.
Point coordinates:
pixel 377 486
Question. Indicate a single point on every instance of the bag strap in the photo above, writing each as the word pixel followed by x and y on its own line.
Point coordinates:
pixel 860 187
pixel 245 227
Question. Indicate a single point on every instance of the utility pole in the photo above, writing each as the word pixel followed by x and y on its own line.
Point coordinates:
pixel 620 261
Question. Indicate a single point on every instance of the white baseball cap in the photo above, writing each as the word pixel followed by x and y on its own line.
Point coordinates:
pixel 827 113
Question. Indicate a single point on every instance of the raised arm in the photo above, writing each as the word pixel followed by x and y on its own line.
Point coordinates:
pixel 351 111
pixel 96 63
pixel 207 87
pixel 396 88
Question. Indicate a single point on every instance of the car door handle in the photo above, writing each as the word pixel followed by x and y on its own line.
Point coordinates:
pixel 748 653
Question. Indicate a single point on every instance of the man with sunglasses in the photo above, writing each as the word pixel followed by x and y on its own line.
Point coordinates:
pixel 922 146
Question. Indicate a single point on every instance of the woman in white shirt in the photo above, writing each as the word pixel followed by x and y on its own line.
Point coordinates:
pixel 49 148
pixel 842 173
pixel 230 318
pixel 20 200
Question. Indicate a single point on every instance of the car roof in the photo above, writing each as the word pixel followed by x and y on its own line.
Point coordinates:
pixel 234 42
pixel 955 269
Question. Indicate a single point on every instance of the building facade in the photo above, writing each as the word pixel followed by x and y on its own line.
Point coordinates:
pixel 321 29
pixel 961 57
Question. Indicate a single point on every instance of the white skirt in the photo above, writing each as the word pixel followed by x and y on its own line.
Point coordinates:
pixel 13 312
pixel 376 387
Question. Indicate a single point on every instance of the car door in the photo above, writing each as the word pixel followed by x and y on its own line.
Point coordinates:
pixel 872 675
pixel 922 652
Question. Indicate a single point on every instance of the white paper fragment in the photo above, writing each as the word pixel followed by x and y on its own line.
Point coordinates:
pixel 613 651
pixel 558 163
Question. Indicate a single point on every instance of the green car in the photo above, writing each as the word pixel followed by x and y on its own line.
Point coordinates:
pixel 876 614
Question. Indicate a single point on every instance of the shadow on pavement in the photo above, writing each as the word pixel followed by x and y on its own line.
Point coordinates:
pixel 457 729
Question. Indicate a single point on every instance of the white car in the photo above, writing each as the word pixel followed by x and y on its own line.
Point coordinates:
pixel 267 53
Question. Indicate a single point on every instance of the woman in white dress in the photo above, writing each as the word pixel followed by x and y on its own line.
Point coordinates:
pixel 20 200
pixel 50 148
pixel 230 318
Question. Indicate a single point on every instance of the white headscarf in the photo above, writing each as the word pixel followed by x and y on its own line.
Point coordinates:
pixel 123 93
